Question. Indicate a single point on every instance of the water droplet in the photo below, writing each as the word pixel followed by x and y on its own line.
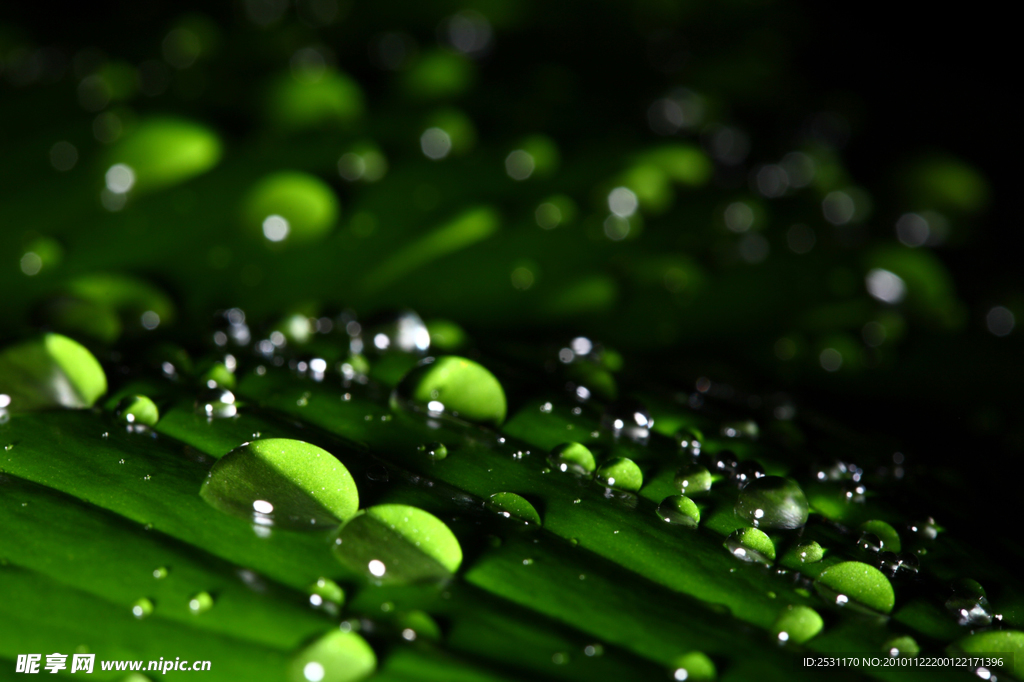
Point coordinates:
pixel 884 533
pixel 216 403
pixel 138 409
pixel 869 542
pixel 621 473
pixel 394 543
pixel 593 650
pixel 200 602
pixel 339 656
pixel 560 658
pixel 679 510
pixel 325 593
pixel 455 385
pixel 969 604
pixel 694 666
pixel 901 645
pixel 572 457
pixel 773 502
pixel 629 418
pixel 160 573
pixel 689 441
pixel 740 429
pixel 282 482
pixel 435 451
pixel 8 447
pixel 995 642
pixel 797 624
pixel 804 553
pixel 693 479
pixel 746 472
pixel 52 371
pixel 751 544
pixel 724 462
pixel 853 582
pixel 142 608
pixel 511 505
pixel 926 530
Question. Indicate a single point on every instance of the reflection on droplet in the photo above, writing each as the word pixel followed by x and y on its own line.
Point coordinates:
pixel 377 568
pixel 142 608
pixel 519 165
pixel 120 178
pixel 200 603
pixel 275 228
pixel 622 202
pixel 435 143
pixel 1000 321
pixel 885 286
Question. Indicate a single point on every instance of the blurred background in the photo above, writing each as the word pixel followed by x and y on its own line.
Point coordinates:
pixel 748 195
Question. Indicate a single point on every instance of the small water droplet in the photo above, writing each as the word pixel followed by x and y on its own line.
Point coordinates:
pixel 679 510
pixel 160 573
pixel 200 602
pixel 621 473
pixel 120 461
pixel 724 462
pixel 142 608
pixel 560 658
pixel 216 403
pixel 573 458
pixel 9 447
pixel 629 418
pixel 969 604
pixel 773 502
pixel 435 451
pixel 797 624
pixel 901 645
pixel 751 544
pixel 515 506
pixel 746 472
pixel 693 479
pixel 689 441
pixel 138 410
pixel 869 542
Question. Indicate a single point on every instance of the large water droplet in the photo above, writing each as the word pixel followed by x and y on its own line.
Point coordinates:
pixel 282 482
pixel 853 582
pixel 216 403
pixel 773 502
pixel 621 473
pixel 394 543
pixel 338 656
pixel 573 457
pixel 751 544
pixel 52 371
pixel 435 451
pixel 455 385
pixel 693 479
pixel 138 409
pixel 797 624
pixel 679 510
pixel 511 505
pixel 629 418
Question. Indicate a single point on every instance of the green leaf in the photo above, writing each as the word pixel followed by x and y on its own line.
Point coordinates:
pixel 53 371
